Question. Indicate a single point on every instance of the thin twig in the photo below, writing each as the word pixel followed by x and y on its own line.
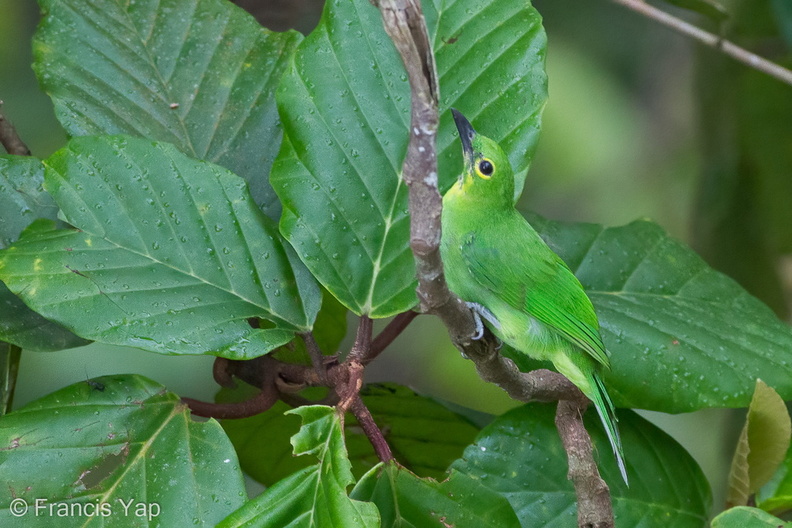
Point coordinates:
pixel 317 358
pixel 714 41
pixel 375 436
pixel 259 403
pixel 10 139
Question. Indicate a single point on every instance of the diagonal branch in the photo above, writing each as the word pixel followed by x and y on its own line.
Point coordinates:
pixel 714 41
pixel 404 23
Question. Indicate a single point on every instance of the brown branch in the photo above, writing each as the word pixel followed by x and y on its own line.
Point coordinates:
pixel 10 139
pixel 403 21
pixel 362 346
pixel 317 358
pixel 375 436
pixel 714 41
pixel 259 403
pixel 593 495
pixel 349 383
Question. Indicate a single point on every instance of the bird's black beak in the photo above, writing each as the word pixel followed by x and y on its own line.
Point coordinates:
pixel 466 134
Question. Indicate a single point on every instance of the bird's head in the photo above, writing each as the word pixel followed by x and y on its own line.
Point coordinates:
pixel 487 172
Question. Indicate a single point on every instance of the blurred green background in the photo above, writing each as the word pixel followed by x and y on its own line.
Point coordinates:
pixel 641 122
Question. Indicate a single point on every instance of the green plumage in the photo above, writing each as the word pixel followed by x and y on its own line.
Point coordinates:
pixel 494 258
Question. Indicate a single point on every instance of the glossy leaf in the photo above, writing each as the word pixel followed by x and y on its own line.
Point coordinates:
pixel 763 442
pixel 681 335
pixel 745 517
pixel 168 254
pixel 199 74
pixel 315 496
pixel 521 457
pixel 112 439
pixel 405 500
pixel 345 106
pixel 22 200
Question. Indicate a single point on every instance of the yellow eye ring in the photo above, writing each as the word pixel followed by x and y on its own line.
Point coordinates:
pixel 485 169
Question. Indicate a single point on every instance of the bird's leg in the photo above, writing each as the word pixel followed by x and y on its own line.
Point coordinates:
pixel 478 312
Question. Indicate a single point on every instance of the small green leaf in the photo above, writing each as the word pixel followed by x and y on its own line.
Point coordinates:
pixel 520 456
pixel 168 254
pixel 315 496
pixel 200 75
pixel 345 105
pixel 113 439
pixel 763 442
pixel 682 336
pixel 745 517
pixel 405 500
pixel 22 200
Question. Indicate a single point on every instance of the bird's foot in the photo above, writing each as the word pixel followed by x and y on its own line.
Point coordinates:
pixel 480 312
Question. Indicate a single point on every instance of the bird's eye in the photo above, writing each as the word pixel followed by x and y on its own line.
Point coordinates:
pixel 485 168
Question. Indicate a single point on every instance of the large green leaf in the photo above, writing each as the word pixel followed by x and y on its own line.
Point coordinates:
pixel 199 74
pixel 345 105
pixel 168 254
pixel 520 456
pixel 681 335
pixel 404 500
pixel 315 496
pixel 22 200
pixel 114 439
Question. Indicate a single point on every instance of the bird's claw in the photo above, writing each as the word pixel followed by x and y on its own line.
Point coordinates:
pixel 479 325
pixel 480 312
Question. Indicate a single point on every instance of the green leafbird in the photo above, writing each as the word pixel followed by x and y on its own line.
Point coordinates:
pixel 531 300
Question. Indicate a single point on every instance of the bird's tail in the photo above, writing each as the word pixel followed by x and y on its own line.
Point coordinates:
pixel 607 414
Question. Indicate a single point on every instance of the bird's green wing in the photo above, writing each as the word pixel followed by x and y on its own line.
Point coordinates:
pixel 526 274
